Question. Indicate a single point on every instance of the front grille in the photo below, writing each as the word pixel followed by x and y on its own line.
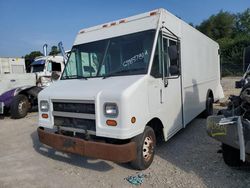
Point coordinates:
pixel 87 108
pixel 74 114
pixel 85 124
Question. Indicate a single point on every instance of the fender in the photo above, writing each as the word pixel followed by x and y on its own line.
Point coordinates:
pixel 8 96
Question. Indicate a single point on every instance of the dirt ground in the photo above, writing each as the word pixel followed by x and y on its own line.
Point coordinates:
pixel 189 159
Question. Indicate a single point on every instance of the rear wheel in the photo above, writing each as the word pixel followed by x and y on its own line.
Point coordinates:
pixel 145 149
pixel 231 156
pixel 19 106
pixel 209 108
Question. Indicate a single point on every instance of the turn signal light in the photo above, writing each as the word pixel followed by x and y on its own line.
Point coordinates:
pixel 45 116
pixel 133 120
pixel 110 122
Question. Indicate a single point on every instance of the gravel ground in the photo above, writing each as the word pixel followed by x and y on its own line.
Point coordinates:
pixel 189 159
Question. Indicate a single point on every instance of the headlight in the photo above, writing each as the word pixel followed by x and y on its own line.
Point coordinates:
pixel 110 109
pixel 44 106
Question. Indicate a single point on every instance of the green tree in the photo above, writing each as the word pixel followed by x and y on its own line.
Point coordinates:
pixel 218 26
pixel 54 50
pixel 243 22
pixel 29 58
pixel 232 32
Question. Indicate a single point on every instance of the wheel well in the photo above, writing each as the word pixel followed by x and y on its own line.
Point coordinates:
pixel 157 126
pixel 210 94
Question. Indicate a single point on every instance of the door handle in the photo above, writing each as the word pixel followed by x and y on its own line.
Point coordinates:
pixel 12 80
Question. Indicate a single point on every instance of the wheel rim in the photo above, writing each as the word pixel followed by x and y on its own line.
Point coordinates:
pixel 148 148
pixel 21 106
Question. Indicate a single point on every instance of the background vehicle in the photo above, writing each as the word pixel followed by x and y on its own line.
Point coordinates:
pixel 231 126
pixel 12 65
pixel 128 83
pixel 246 69
pixel 19 92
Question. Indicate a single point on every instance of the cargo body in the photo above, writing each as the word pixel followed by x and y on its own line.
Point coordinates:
pixel 10 65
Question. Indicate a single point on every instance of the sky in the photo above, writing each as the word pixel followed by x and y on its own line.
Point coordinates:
pixel 25 25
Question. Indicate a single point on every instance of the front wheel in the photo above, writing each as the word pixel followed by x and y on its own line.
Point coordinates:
pixel 145 149
pixel 19 106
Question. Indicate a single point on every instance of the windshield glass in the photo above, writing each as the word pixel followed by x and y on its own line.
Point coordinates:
pixel 119 56
pixel 37 68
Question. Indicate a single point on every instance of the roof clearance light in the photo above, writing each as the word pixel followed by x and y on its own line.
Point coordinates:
pixel 105 25
pixel 122 21
pixel 82 32
pixel 153 13
pixel 112 24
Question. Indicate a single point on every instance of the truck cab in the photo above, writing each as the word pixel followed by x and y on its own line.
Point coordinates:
pixel 47 68
pixel 128 83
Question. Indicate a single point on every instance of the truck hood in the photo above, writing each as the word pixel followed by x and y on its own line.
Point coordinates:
pixel 81 89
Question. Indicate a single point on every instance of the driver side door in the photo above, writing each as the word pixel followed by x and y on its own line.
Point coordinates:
pixel 172 89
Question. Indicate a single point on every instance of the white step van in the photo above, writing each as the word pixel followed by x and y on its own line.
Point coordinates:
pixel 127 84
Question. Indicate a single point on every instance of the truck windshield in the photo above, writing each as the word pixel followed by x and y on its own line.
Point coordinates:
pixel 37 65
pixel 37 68
pixel 119 56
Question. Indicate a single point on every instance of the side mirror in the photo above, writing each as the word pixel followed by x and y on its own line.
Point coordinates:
pixel 173 52
pixel 246 58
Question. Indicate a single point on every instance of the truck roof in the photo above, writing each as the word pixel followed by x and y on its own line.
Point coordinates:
pixel 133 24
pixel 57 59
pixel 137 23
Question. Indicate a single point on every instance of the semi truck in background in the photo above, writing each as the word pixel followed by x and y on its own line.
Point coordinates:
pixel 127 84
pixel 19 90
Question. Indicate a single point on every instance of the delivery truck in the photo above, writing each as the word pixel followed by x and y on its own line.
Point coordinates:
pixel 128 83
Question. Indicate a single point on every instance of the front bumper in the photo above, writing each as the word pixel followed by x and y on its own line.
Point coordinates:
pixel 112 152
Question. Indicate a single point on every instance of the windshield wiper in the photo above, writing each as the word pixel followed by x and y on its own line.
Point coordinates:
pixel 103 59
pixel 122 71
pixel 73 77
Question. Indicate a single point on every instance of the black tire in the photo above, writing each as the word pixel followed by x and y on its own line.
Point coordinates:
pixel 145 141
pixel 209 108
pixel 231 156
pixel 19 106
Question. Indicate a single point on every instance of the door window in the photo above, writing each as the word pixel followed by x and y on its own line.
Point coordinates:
pixel 171 57
pixel 156 70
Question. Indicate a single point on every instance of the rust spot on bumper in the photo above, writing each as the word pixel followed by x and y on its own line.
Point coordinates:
pixel 112 152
